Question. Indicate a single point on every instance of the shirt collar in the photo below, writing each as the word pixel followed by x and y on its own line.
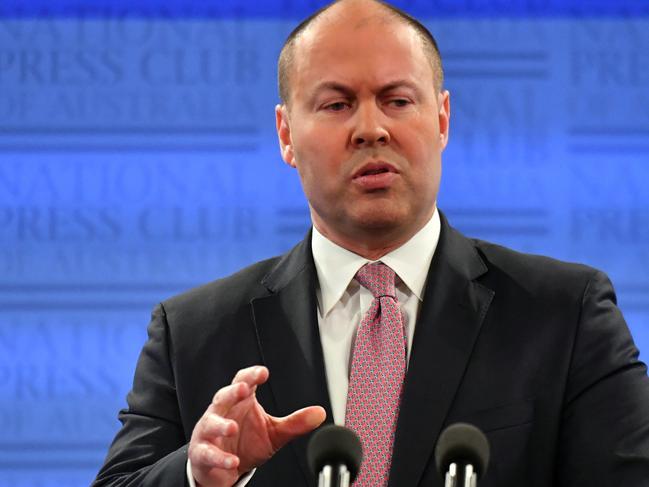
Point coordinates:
pixel 337 266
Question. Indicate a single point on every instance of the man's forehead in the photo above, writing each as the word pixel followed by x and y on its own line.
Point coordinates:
pixel 354 17
pixel 350 14
pixel 327 30
pixel 352 9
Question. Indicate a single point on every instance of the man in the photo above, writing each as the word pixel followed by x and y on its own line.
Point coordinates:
pixel 533 351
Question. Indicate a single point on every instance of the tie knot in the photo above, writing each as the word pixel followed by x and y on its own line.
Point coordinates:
pixel 378 278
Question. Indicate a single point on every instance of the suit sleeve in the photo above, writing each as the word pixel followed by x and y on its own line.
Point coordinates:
pixel 604 436
pixel 151 447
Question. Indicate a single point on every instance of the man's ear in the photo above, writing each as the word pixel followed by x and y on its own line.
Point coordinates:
pixel 284 134
pixel 444 106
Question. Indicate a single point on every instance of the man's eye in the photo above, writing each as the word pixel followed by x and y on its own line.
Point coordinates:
pixel 399 102
pixel 336 106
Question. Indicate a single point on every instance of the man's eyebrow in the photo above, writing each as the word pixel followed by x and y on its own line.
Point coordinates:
pixel 333 86
pixel 349 92
pixel 400 83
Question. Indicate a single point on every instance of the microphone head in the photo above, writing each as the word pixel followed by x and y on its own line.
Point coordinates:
pixel 462 443
pixel 332 445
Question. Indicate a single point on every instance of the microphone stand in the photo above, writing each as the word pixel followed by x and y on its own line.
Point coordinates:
pixel 334 476
pixel 469 479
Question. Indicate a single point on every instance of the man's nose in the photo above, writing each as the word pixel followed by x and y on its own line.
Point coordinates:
pixel 369 126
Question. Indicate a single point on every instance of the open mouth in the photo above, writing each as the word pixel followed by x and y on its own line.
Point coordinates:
pixel 375 176
pixel 373 169
pixel 371 172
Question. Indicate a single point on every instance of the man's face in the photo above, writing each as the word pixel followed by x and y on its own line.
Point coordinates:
pixel 365 127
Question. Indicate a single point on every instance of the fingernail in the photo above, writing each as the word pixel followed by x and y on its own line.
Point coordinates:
pixel 229 463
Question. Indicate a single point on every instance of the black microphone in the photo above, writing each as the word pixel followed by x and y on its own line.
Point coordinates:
pixel 334 455
pixel 462 455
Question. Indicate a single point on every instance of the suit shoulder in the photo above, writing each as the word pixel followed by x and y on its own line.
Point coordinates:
pixel 226 293
pixel 533 271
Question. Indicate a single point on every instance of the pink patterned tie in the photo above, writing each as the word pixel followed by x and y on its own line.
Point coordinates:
pixel 377 373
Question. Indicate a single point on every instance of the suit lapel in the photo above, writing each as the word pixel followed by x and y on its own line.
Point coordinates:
pixel 289 340
pixel 449 321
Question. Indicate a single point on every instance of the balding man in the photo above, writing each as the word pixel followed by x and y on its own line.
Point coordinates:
pixel 383 311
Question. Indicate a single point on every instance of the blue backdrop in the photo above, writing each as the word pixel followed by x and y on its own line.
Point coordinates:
pixel 138 158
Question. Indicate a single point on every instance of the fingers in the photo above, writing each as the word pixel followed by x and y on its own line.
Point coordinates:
pixel 233 419
pixel 296 424
pixel 235 434
pixel 253 376
pixel 229 396
pixel 243 385
pixel 204 450
pixel 214 426
pixel 205 456
pixel 303 420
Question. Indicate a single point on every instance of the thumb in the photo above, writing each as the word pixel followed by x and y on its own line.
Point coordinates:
pixel 296 424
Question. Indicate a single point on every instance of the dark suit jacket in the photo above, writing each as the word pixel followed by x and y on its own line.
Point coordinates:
pixel 531 350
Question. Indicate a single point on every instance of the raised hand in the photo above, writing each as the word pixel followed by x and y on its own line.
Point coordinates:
pixel 235 434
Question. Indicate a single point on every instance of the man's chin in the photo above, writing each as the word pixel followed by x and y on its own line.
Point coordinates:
pixel 390 221
pixel 381 220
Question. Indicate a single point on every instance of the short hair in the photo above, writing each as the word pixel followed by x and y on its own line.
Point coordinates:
pixel 429 44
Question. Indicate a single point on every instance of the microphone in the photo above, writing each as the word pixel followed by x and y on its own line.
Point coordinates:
pixel 334 454
pixel 462 455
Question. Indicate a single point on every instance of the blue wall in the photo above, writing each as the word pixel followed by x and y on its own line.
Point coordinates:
pixel 138 158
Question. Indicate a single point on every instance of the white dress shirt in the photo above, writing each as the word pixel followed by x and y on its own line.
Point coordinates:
pixel 342 303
